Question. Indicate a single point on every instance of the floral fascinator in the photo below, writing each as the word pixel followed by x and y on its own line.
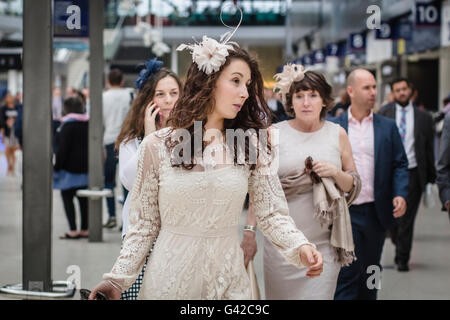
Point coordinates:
pixel 210 55
pixel 152 66
pixel 291 73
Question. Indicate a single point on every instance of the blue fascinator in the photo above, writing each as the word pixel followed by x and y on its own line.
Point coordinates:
pixel 152 66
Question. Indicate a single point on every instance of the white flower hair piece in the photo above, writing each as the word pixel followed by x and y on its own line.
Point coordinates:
pixel 291 73
pixel 210 55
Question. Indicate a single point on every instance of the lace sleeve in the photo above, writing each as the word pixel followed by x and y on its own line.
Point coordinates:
pixel 271 210
pixel 144 218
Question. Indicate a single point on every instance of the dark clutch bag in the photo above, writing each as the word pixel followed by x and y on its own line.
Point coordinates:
pixel 85 293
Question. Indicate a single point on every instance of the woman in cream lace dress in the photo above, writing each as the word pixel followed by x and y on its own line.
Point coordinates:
pixel 190 196
pixel 159 89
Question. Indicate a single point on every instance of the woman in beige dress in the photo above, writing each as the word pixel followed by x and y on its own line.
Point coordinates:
pixel 309 135
pixel 190 195
pixel 308 98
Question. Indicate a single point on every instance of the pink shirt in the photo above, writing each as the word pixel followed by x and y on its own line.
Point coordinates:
pixel 361 136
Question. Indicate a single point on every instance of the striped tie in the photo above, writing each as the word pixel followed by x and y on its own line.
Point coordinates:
pixel 402 127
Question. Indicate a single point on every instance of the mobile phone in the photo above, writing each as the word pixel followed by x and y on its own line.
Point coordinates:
pixel 158 118
pixel 85 293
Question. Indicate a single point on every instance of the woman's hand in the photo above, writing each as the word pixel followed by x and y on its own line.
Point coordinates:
pixel 10 122
pixel 249 246
pixel 313 259
pixel 108 289
pixel 325 169
pixel 151 112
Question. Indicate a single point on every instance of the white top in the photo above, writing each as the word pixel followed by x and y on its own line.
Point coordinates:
pixel 128 160
pixel 57 107
pixel 408 144
pixel 272 103
pixel 194 217
pixel 116 103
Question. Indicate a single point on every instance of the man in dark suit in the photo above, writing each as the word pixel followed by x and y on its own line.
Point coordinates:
pixel 275 106
pixel 382 165
pixel 443 166
pixel 416 130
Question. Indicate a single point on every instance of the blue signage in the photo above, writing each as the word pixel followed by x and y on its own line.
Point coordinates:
pixel 428 13
pixel 332 50
pixel 403 30
pixel 71 18
pixel 318 56
pixel 307 60
pixel 10 61
pixel 357 42
pixel 336 49
pixel 385 31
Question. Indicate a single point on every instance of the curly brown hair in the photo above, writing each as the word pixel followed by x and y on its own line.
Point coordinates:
pixel 312 81
pixel 197 102
pixel 133 125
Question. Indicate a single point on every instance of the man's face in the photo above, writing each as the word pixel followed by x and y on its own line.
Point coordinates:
pixel 402 93
pixel 268 93
pixel 364 90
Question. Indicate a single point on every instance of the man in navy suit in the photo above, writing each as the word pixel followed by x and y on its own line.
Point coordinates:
pixel 383 167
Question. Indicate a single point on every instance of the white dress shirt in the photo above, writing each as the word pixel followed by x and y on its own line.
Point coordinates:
pixel 408 144
pixel 361 136
pixel 116 103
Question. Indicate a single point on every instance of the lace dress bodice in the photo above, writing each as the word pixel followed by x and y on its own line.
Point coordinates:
pixel 194 216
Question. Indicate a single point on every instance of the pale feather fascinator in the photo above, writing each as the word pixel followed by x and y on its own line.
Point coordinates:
pixel 210 54
pixel 291 73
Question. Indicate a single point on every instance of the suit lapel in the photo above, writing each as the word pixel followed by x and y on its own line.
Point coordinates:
pixel 416 127
pixel 377 131
pixel 391 112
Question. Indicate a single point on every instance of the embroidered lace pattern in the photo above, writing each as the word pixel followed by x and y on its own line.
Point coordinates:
pixel 194 215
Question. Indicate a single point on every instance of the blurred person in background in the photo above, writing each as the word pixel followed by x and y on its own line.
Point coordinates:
pixel 18 125
pixel 443 166
pixel 159 89
pixel 275 106
pixel 9 114
pixel 116 104
pixel 342 105
pixel 70 91
pixel 85 92
pixel 57 102
pixel 71 164
pixel 439 118
pixel 19 97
